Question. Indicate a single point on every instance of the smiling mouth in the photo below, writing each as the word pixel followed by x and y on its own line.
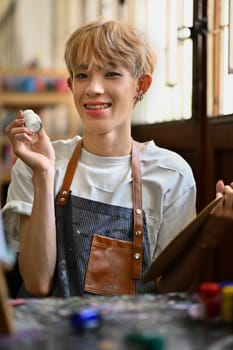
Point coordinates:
pixel 97 106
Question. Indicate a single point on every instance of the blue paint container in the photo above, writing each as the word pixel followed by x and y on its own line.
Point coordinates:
pixel 86 319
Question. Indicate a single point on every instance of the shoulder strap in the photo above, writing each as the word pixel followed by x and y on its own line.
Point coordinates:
pixel 72 165
pixel 137 252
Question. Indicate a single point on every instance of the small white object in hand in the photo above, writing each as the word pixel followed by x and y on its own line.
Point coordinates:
pixel 32 120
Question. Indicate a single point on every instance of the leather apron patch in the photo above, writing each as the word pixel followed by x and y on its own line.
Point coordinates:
pixel 109 267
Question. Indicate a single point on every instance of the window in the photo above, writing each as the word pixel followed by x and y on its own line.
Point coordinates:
pixel 168 27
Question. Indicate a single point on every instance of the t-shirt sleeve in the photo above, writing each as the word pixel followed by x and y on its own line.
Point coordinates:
pixel 175 217
pixel 19 202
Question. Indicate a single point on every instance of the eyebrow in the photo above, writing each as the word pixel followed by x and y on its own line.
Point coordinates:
pixel 109 65
pixel 82 66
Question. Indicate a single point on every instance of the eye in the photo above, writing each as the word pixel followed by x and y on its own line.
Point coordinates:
pixel 112 74
pixel 80 76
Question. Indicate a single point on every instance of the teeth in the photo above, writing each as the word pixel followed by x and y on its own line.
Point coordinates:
pixel 105 105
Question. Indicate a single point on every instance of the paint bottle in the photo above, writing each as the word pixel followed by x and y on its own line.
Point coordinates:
pixel 32 120
pixel 210 297
pixel 86 319
pixel 227 303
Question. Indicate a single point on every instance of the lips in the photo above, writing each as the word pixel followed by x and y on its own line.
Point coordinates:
pixel 98 106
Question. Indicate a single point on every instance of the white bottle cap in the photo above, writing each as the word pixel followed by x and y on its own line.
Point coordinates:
pixel 32 120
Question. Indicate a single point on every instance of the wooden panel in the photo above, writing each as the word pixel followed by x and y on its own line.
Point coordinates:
pixel 224 165
pixel 172 134
pixel 222 133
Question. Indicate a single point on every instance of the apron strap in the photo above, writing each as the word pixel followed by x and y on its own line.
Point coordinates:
pixel 72 165
pixel 137 251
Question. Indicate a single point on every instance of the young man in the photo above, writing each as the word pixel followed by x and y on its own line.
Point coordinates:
pixel 120 202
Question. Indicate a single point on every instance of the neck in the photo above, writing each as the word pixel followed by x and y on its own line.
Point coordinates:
pixel 106 146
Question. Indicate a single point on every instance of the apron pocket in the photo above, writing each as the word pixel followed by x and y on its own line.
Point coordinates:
pixel 109 267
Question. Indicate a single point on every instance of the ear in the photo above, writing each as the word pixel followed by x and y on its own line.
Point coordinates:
pixel 144 83
pixel 69 83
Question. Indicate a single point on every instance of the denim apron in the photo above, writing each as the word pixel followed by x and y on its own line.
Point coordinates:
pixel 77 219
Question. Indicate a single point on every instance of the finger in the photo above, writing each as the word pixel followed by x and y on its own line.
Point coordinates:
pixel 14 124
pixel 18 128
pixel 219 209
pixel 17 122
pixel 220 186
pixel 19 115
pixel 24 137
pixel 228 190
pixel 228 198
pixel 225 208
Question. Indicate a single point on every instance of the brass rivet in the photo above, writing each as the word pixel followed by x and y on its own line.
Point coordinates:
pixel 138 233
pixel 64 193
pixel 138 211
pixel 137 256
pixel 62 199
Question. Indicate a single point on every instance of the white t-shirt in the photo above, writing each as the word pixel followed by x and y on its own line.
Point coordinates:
pixel 168 189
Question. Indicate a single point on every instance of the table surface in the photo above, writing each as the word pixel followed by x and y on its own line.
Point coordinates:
pixel 45 324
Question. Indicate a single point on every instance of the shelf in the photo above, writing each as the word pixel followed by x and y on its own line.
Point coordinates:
pixel 15 99
pixel 33 72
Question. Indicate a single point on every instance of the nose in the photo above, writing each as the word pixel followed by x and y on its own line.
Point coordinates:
pixel 95 86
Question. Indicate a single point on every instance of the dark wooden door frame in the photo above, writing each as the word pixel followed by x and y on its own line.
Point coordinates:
pixel 205 156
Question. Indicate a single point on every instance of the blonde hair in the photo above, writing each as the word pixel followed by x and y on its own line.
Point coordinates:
pixel 109 41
